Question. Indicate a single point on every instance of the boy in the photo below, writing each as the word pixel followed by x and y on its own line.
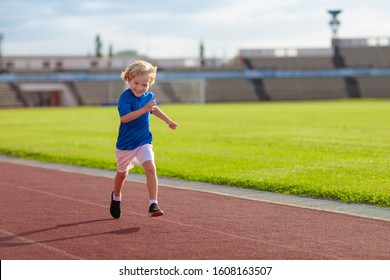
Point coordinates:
pixel 134 142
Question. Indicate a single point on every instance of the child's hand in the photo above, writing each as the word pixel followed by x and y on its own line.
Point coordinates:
pixel 172 125
pixel 149 107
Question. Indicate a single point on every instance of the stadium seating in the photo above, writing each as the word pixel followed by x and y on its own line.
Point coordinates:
pixel 356 54
pixel 8 97
pixel 305 88
pixel 367 57
pixel 160 94
pixel 292 62
pixel 99 92
pixel 374 87
pixel 230 90
pixel 107 93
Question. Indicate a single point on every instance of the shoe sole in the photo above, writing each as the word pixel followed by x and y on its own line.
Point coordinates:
pixel 156 214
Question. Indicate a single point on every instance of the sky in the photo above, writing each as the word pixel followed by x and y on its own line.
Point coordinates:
pixel 175 28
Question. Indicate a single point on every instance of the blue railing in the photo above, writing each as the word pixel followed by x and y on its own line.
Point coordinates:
pixel 164 76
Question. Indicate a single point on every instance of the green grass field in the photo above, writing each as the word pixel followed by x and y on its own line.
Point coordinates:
pixel 331 149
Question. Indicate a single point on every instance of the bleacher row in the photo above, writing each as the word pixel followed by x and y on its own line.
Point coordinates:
pixel 290 63
pixel 367 57
pixel 105 93
pixel 8 97
pixel 362 57
pixel 295 89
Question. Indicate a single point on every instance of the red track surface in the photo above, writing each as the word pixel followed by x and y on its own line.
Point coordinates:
pixel 49 214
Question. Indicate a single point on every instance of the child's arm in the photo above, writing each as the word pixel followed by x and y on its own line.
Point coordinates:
pixel 136 114
pixel 160 114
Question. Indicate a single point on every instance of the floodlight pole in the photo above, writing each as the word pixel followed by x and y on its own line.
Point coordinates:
pixel 338 60
pixel 1 55
pixel 334 23
pixel 351 83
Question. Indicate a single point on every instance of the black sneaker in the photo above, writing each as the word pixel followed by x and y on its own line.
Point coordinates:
pixel 115 207
pixel 155 211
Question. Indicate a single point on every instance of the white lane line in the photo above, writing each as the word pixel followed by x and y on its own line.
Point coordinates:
pixel 37 243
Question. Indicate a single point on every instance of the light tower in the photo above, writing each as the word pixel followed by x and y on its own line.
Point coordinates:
pixel 334 23
pixel 1 54
pixel 338 60
pixel 351 83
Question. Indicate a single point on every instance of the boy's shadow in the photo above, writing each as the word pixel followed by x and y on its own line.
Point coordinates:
pixel 7 241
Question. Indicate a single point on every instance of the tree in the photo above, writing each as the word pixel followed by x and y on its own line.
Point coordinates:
pixel 201 54
pixel 126 53
pixel 110 51
pixel 98 46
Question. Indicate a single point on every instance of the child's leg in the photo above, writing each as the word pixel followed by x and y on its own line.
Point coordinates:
pixel 115 206
pixel 152 184
pixel 119 181
pixel 151 179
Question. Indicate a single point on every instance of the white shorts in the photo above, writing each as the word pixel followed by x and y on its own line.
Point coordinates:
pixel 127 158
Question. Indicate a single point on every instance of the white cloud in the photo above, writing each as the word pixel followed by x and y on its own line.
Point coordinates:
pixel 365 21
pixel 94 6
pixel 172 28
pixel 171 47
pixel 244 12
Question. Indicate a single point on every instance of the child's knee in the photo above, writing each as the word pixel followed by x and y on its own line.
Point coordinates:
pixel 149 167
pixel 122 175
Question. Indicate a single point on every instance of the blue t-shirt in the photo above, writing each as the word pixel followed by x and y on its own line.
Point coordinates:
pixel 135 133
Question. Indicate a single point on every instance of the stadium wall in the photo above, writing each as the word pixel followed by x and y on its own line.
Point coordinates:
pixel 356 68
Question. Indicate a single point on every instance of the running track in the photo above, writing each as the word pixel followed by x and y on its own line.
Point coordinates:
pixel 52 214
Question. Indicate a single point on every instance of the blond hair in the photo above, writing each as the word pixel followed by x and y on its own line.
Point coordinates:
pixel 139 67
